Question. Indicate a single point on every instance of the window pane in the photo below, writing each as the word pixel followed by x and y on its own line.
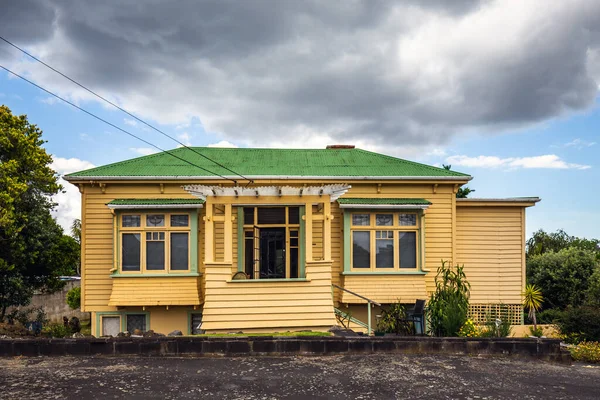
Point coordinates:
pixel 249 257
pixel 361 219
pixel 384 219
pixel 196 323
pixel 361 249
pixel 180 220
pixel 131 252
pixel 111 326
pixel 155 220
pixel 248 215
pixel 294 215
pixel 131 221
pixel 271 216
pixel 155 255
pixel 179 251
pixel 294 263
pixel 384 258
pixel 408 219
pixel 408 249
pixel 136 321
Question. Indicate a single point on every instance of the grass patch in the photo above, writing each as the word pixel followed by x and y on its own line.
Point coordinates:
pixel 86 327
pixel 274 334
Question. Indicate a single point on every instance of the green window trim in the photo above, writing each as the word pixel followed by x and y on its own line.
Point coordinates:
pixel 302 247
pixel 163 275
pixel 189 319
pixel 267 280
pixel 193 271
pixel 123 315
pixel 420 270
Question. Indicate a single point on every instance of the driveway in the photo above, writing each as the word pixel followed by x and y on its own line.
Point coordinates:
pixel 333 377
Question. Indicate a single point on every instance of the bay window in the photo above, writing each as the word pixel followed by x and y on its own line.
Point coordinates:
pixel 384 241
pixel 156 242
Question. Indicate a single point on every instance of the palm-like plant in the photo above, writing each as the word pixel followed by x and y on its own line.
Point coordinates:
pixel 532 301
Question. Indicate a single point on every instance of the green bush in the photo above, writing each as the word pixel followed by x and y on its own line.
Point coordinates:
pixel 56 330
pixel 498 325
pixel 393 320
pixel 592 294
pixel 550 316
pixel 586 351
pixel 580 323
pixel 74 298
pixel 448 306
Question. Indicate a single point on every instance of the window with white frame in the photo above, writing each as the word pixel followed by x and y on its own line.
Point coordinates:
pixel 154 242
pixel 384 241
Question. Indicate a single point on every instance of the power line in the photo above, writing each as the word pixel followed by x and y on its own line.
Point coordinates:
pixel 113 125
pixel 120 108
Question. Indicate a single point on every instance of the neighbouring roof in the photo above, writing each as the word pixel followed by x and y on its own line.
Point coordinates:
pixel 509 201
pixel 383 203
pixel 155 203
pixel 267 163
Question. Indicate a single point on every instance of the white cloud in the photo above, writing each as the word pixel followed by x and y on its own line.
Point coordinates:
pixel 130 122
pixel 69 201
pixel 436 152
pixel 579 144
pixel 145 151
pixel 185 138
pixel 223 143
pixel 548 161
pixel 49 100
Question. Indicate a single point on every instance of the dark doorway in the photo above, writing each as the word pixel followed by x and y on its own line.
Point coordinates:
pixel 272 253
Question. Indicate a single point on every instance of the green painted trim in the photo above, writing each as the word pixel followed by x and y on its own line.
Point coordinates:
pixel 241 240
pixel 194 242
pixel 165 275
pixel 302 266
pixel 126 313
pixel 189 319
pixel 347 244
pixel 118 239
pixel 411 272
pixel 268 280
pixel 100 314
pixel 421 233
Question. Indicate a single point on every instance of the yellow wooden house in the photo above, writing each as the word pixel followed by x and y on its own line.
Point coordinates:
pixel 227 240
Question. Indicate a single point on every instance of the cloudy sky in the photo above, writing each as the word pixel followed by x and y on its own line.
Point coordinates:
pixel 504 90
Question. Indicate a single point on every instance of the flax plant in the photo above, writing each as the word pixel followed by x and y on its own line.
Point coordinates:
pixel 532 301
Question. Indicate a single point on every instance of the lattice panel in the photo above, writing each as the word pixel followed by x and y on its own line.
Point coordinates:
pixel 480 313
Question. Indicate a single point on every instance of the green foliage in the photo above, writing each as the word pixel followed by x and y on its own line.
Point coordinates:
pixel 537 332
pixel 448 306
pixel 74 298
pixel 542 242
pixel 26 315
pixel 76 230
pixel 587 352
pixel 582 323
pixel 550 316
pixel 562 276
pixel 394 320
pixel 33 252
pixel 56 330
pixel 498 325
pixel 469 329
pixel 532 301
pixel 592 294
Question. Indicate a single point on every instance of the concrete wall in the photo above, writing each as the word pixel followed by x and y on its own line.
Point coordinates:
pixel 56 306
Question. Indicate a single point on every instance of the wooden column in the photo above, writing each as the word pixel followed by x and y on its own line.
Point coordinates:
pixel 308 219
pixel 228 231
pixel 327 230
pixel 209 233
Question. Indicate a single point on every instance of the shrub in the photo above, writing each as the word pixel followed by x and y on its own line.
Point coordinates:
pixel 582 323
pixel 550 316
pixel 537 332
pixel 469 329
pixel 498 325
pixel 74 298
pixel 56 330
pixel 394 320
pixel 586 351
pixel 448 306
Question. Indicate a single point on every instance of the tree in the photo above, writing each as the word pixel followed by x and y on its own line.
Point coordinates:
pixel 462 192
pixel 33 253
pixel 542 242
pixel 562 276
pixel 532 301
pixel 76 230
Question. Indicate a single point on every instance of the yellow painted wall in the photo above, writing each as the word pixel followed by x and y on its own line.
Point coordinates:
pixel 385 289
pixel 246 305
pixel 166 321
pixel 490 243
pixel 156 291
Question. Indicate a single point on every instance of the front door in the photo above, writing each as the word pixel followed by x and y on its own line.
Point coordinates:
pixel 272 253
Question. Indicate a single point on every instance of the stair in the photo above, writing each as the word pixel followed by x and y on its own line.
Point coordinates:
pixel 352 319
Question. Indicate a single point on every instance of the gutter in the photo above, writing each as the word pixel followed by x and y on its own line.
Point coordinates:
pixel 267 177
pixel 151 206
pixel 387 206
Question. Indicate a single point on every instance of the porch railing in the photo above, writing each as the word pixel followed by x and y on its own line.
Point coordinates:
pixel 370 304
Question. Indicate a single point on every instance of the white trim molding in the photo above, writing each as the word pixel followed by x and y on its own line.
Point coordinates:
pixel 204 191
pixel 151 206
pixel 388 206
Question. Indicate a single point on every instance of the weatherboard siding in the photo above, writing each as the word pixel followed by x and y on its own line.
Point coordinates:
pixel 491 246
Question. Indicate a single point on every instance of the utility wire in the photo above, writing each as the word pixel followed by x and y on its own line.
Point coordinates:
pixel 120 108
pixel 113 125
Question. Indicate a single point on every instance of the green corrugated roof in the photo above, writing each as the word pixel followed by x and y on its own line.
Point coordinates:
pixel 153 202
pixel 379 201
pixel 250 162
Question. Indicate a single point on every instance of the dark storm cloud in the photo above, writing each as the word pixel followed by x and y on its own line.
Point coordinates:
pixel 414 72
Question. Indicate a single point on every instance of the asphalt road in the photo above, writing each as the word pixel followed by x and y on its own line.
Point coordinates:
pixel 332 377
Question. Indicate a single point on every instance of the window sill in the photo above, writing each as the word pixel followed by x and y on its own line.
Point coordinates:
pixel 268 280
pixel 163 275
pixel 412 272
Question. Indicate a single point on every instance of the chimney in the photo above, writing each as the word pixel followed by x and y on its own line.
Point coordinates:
pixel 339 146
